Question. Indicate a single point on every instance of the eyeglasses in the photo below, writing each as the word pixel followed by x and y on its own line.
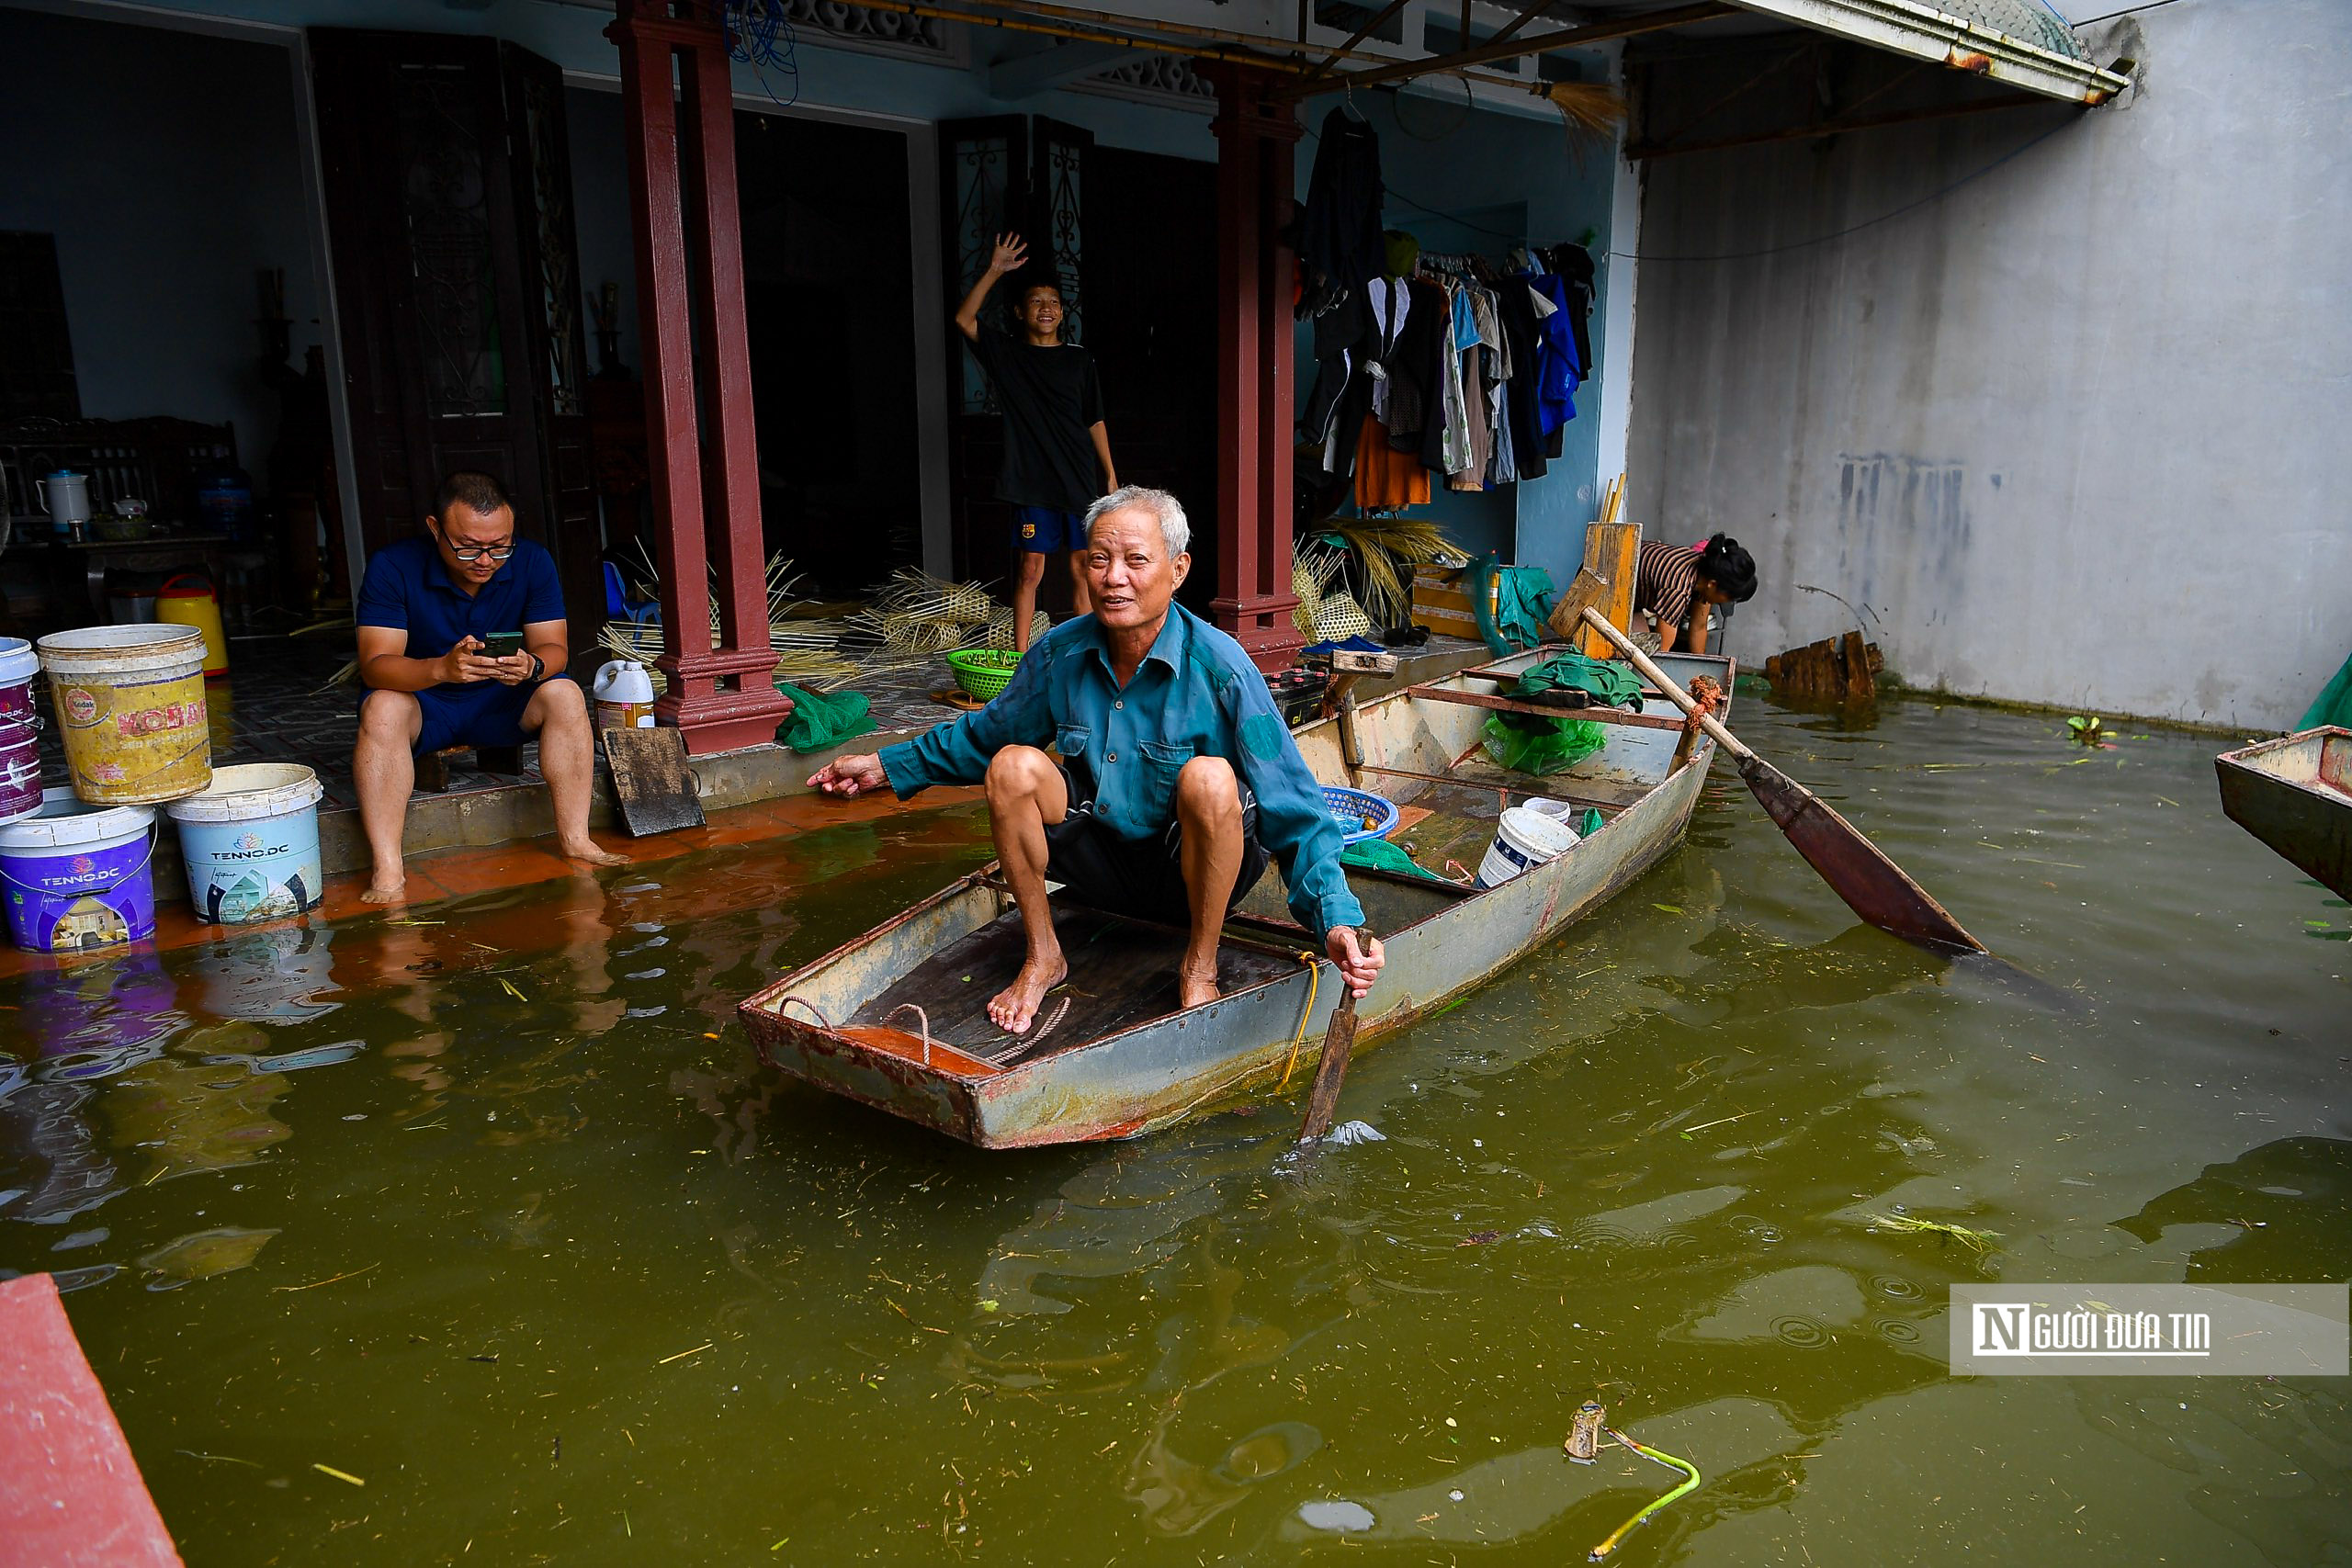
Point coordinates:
pixel 495 552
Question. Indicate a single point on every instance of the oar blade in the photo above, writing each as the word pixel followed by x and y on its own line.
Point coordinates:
pixel 1323 1101
pixel 1873 887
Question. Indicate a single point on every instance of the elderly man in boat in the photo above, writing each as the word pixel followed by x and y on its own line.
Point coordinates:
pixel 1177 777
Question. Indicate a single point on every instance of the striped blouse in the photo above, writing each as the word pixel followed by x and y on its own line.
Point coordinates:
pixel 1664 581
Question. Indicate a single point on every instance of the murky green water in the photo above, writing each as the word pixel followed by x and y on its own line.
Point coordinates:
pixel 480 1213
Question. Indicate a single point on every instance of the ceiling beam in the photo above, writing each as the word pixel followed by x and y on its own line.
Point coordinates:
pixel 1509 49
pixel 1026 75
pixel 1372 25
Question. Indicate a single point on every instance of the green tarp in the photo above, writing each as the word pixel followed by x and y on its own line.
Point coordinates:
pixel 2334 704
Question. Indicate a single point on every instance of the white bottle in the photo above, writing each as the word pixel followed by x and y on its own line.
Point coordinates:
pixel 624 695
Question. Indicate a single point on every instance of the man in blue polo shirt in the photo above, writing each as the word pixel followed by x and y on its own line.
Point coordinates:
pixel 427 613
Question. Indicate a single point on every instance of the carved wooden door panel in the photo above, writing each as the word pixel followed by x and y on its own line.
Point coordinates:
pixel 449 226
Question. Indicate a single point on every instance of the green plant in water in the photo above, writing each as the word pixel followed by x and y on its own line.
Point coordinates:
pixel 2086 728
pixel 1978 1242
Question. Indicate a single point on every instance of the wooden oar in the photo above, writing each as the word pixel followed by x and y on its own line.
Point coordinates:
pixel 1873 886
pixel 1338 1041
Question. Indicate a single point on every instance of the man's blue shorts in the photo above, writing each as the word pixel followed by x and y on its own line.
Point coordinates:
pixel 1042 531
pixel 484 714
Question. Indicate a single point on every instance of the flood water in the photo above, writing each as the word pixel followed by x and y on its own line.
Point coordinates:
pixel 500 1218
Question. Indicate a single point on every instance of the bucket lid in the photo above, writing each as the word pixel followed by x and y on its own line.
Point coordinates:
pixel 66 822
pixel 118 641
pixel 250 790
pixel 17 660
pixel 68 474
pixel 1545 835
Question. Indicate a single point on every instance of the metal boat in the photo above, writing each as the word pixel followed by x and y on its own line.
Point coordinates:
pixel 2295 795
pixel 896 1019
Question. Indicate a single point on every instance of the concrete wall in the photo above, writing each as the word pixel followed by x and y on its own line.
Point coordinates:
pixel 166 165
pixel 2071 429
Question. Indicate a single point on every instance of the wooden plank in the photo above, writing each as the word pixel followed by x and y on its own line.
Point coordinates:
pixel 1537 710
pixel 1612 552
pixel 70 1492
pixel 652 786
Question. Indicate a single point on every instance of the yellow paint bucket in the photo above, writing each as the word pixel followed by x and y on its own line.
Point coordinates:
pixel 130 707
pixel 188 601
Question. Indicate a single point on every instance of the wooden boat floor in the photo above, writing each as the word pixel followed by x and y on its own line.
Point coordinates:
pixel 1121 973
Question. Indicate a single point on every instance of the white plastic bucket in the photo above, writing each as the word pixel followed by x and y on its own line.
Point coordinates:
pixel 76 876
pixel 19 730
pixel 1524 839
pixel 250 841
pixel 130 704
pixel 624 693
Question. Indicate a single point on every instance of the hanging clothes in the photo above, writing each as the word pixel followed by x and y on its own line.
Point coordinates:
pixel 1562 371
pixel 1340 248
pixel 1574 264
pixel 1388 478
pixel 1516 307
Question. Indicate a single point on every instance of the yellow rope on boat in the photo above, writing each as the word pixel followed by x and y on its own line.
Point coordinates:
pixel 1314 977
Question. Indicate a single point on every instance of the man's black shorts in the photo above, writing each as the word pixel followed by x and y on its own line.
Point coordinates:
pixel 1139 877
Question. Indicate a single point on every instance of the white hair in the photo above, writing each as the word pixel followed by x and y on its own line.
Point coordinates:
pixel 1164 507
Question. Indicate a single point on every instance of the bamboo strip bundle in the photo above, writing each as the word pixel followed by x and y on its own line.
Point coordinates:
pixel 1389 548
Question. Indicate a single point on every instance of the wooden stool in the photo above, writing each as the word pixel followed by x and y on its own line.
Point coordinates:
pixel 433 769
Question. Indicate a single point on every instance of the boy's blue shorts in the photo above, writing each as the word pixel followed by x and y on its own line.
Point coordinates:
pixel 1041 530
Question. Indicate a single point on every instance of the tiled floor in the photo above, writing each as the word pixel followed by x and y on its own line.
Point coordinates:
pixel 454 874
pixel 274 707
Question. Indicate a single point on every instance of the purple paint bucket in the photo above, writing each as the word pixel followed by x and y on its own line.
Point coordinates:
pixel 19 730
pixel 76 876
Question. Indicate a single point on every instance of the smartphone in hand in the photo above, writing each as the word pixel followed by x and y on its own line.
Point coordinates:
pixel 502 645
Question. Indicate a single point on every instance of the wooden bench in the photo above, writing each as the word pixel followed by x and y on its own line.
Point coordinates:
pixel 433 769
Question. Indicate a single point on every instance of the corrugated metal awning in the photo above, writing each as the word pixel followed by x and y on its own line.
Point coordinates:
pixel 1970 43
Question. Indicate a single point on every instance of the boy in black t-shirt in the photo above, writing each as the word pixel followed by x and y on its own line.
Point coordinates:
pixel 1057 451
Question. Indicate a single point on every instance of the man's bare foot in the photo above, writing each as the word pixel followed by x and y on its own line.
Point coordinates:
pixel 1012 1009
pixel 588 851
pixel 1196 987
pixel 384 893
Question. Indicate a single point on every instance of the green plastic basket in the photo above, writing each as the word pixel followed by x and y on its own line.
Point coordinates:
pixel 982 672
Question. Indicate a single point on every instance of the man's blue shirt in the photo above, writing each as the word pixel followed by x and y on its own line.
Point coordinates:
pixel 408 587
pixel 1195 694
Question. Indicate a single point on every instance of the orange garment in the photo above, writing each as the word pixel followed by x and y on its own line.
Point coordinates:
pixel 1388 480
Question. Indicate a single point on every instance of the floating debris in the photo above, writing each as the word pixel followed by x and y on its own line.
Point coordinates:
pixel 1977 1241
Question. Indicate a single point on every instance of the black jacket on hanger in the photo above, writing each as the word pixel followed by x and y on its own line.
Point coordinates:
pixel 1516 307
pixel 1339 232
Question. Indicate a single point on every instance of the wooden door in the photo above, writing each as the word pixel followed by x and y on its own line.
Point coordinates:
pixel 447 183
pixel 984 191
pixel 1151 322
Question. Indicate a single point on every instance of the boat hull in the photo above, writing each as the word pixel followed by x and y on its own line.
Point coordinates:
pixel 2295 795
pixel 1260 1037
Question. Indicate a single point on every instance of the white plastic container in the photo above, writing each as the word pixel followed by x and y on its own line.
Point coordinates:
pixel 250 841
pixel 624 694
pixel 1524 839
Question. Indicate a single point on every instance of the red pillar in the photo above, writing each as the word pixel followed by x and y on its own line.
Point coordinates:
pixel 690 324
pixel 1255 267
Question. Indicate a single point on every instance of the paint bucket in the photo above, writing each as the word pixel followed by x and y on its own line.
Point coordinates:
pixel 188 601
pixel 130 704
pixel 19 730
pixel 624 694
pixel 250 842
pixel 1523 840
pixel 75 875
